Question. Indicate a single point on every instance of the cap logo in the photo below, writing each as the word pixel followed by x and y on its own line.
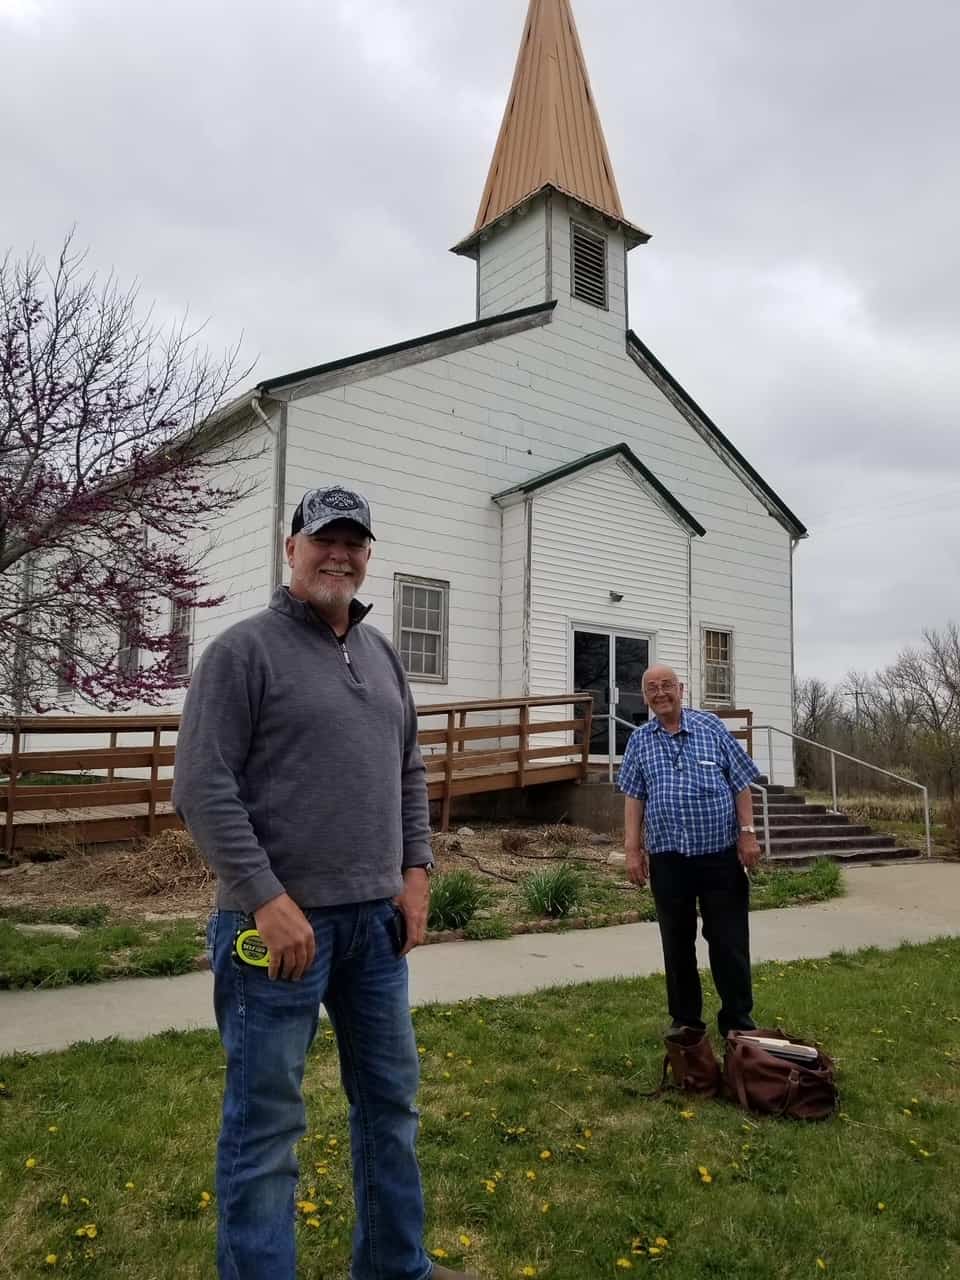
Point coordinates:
pixel 337 500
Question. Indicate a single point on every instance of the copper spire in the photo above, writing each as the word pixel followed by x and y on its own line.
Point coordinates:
pixel 551 133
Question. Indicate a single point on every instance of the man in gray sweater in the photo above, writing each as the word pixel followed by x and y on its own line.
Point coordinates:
pixel 299 776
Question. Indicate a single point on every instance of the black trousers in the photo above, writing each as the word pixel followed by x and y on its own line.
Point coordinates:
pixel 718 884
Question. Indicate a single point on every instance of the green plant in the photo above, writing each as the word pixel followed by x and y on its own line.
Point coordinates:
pixel 553 892
pixel 455 898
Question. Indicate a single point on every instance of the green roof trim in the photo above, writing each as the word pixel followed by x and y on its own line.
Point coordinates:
pixel 779 508
pixel 588 460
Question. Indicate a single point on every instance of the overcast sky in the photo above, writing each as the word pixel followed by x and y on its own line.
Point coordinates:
pixel 296 171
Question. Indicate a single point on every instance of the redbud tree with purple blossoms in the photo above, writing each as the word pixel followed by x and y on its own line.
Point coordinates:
pixel 112 472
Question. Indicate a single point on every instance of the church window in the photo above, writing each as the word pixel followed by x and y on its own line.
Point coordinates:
pixel 421 626
pixel 717 668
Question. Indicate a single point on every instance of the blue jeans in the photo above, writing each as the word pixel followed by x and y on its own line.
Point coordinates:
pixel 267 1029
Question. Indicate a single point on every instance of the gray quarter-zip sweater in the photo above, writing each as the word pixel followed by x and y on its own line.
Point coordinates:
pixel 298 769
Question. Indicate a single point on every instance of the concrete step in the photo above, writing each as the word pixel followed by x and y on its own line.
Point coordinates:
pixel 840 843
pixel 815 831
pixel 803 819
pixel 789 810
pixel 807 858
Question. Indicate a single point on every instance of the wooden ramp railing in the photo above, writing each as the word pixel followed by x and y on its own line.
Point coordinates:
pixel 461 759
pixel 745 731
pixel 459 770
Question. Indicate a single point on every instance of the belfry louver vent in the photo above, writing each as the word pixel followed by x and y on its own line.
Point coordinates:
pixel 589 266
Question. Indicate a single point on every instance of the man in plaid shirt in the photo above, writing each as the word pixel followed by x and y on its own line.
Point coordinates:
pixel 688 827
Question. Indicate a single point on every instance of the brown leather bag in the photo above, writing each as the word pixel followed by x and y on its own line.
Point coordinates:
pixel 692 1062
pixel 767 1084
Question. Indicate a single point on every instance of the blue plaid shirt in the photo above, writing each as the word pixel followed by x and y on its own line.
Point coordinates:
pixel 687 782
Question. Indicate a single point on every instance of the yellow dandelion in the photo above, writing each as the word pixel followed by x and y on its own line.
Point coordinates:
pixel 687 1115
pixel 821 1265
pixel 661 1242
pixel 89 1231
pixel 624 1264
pixel 702 1170
pixel 544 1206
pixel 85 1201
pixel 446 1075
pixel 546 1155
pixel 925 1154
pixel 655 1251
pixel 53 1128
pixel 915 1101
pixel 439 1253
pixel 880 1206
pixel 906 1111
pixel 588 1133
pixel 465 1241
pixel 205 1197
pixel 531 1176
pixel 64 1201
pixel 528 1271
pixel 51 1259
pixel 313 1222
pixel 129 1186
pixel 306 1206
pixel 31 1162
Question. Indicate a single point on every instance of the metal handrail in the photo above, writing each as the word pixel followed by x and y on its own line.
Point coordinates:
pixel 755 786
pixel 771 729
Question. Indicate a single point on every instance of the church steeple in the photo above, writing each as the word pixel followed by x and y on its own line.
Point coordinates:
pixel 551 136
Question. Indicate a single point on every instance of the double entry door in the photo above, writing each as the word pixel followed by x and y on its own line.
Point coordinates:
pixel 610 665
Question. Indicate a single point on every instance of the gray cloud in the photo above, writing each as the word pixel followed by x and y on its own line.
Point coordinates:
pixel 297 172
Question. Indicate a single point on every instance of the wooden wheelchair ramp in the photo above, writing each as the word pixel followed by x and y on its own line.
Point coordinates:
pixel 116 783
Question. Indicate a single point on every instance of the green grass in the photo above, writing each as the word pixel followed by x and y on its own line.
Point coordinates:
pixel 504 1083
pixel 105 948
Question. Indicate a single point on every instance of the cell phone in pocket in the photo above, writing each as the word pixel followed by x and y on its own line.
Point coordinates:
pixel 397 928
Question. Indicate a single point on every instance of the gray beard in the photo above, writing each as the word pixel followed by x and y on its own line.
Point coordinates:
pixel 325 597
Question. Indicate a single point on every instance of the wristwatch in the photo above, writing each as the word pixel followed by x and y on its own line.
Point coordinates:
pixel 748 831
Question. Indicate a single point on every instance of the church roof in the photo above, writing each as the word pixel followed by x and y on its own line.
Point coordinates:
pixel 551 135
pixel 663 494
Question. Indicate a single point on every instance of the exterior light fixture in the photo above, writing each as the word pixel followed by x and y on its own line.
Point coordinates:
pixel 616 596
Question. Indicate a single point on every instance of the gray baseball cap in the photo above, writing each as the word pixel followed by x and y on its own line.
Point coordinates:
pixel 320 507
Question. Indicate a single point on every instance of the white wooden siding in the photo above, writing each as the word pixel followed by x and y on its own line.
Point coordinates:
pixel 512 264
pixel 595 533
pixel 514 676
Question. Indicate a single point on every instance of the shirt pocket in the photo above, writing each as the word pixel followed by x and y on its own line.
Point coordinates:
pixel 709 776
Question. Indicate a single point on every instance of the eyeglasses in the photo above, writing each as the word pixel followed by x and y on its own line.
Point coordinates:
pixel 663 686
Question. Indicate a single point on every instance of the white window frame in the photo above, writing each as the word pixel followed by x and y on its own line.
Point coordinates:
pixel 401 581
pixel 731 700
pixel 66 644
pixel 128 655
pixel 186 633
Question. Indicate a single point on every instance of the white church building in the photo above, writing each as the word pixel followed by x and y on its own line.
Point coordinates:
pixel 553 511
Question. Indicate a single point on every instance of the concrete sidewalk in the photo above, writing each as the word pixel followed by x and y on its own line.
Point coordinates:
pixel 884 906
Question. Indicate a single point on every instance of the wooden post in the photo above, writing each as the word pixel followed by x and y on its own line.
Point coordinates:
pixel 463 724
pixel 154 779
pixel 8 830
pixel 587 730
pixel 749 715
pixel 524 744
pixel 113 746
pixel 447 773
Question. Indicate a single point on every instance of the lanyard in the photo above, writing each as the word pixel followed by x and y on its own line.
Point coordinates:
pixel 677 755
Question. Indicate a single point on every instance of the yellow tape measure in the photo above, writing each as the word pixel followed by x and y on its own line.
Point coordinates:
pixel 251 949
